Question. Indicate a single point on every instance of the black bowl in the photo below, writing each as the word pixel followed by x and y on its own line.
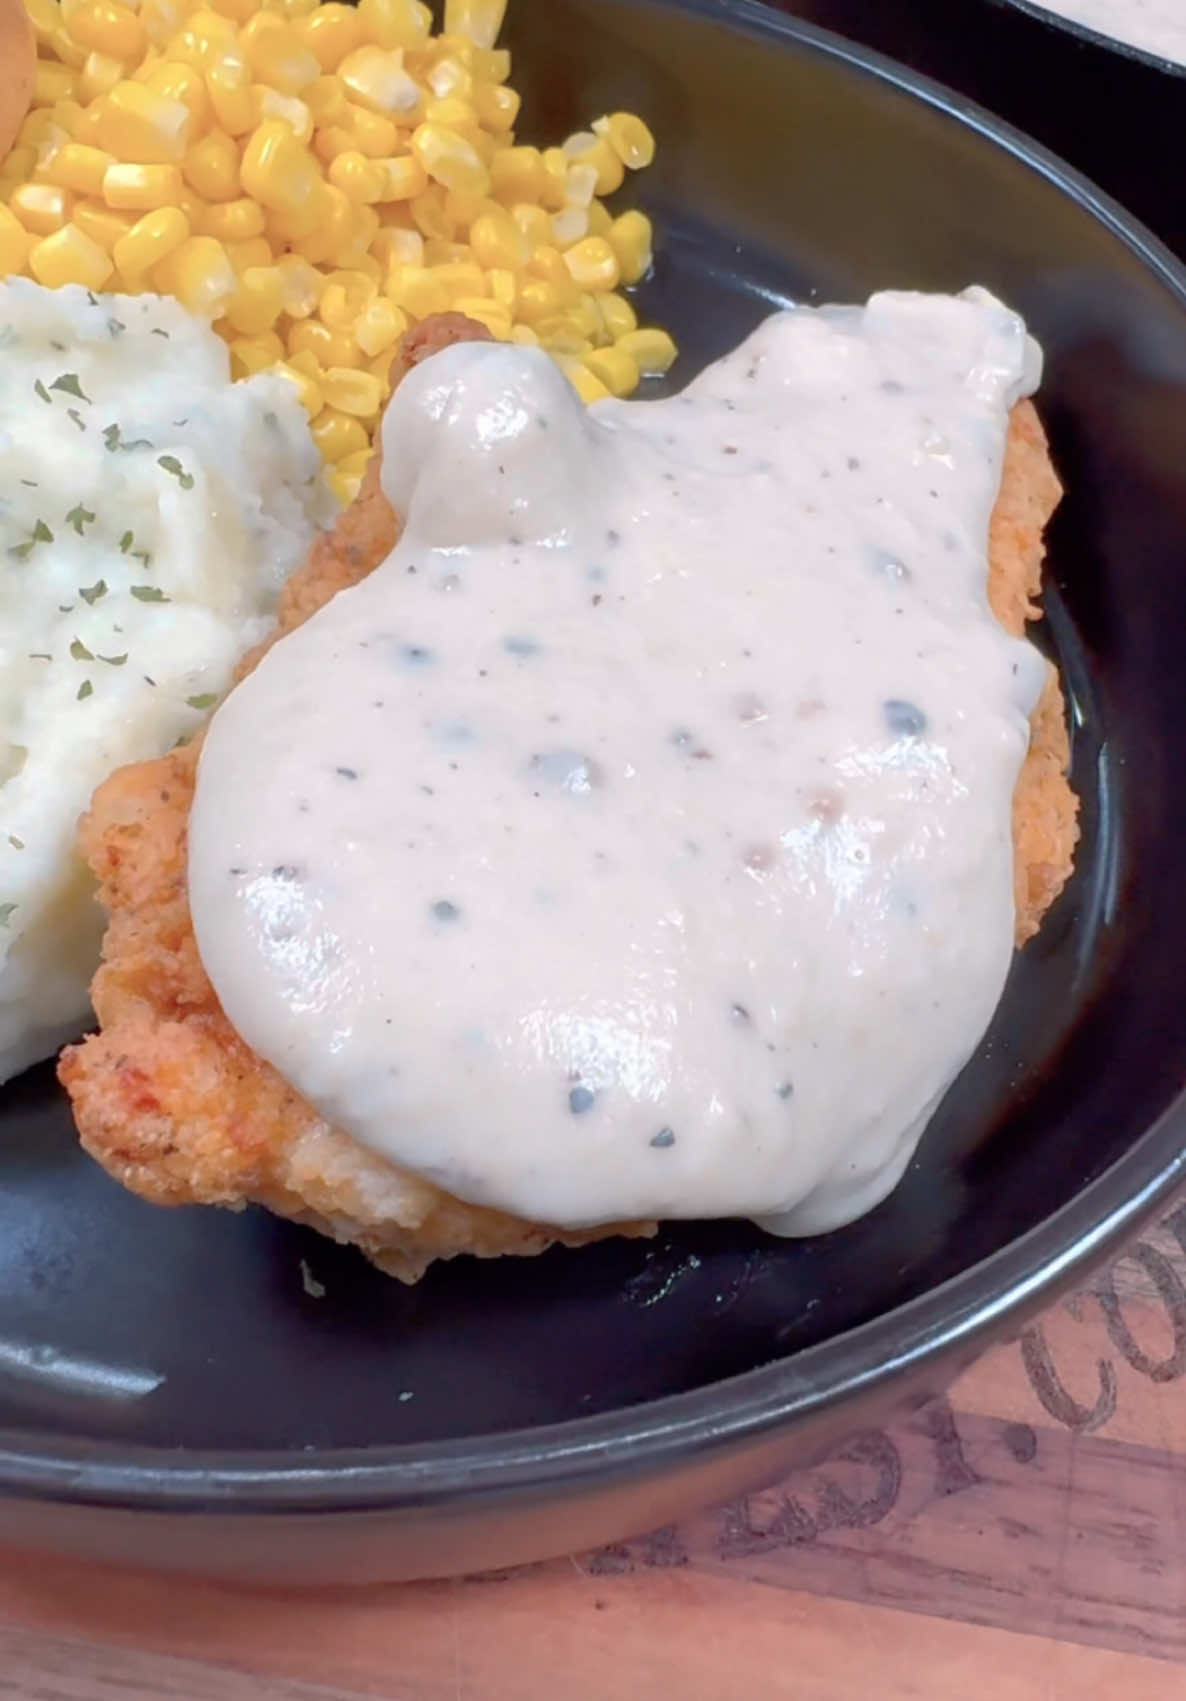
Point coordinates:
pixel 1112 111
pixel 329 1424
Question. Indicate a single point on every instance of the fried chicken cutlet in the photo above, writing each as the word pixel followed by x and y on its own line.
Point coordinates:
pixel 174 1104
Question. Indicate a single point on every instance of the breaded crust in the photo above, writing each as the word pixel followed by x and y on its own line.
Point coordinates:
pixel 170 1100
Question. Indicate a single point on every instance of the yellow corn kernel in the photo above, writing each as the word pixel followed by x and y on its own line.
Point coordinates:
pixel 331 32
pixel 344 487
pixel 329 348
pixel 374 134
pixel 15 243
pixel 142 126
pixel 69 257
pixel 100 223
pixel 37 128
pixel 253 251
pixel 309 392
pixel 595 151
pixel 480 20
pixel 497 107
pixel 376 79
pixel 502 286
pixel 277 170
pixel 617 315
pixel 338 435
pixel 600 221
pixel 302 286
pixel 548 263
pixel 161 18
pixel 353 392
pixel 460 277
pixel 353 466
pixel 404 178
pixel 211 167
pixel 228 83
pixel 18 165
pixel 326 100
pixel 492 314
pixel 617 370
pixel 450 158
pixel 653 351
pixel 231 221
pixel 394 246
pixel 517 174
pixel 331 140
pixel 394 23
pixel 308 364
pixel 151 239
pixel 52 82
pixel 355 256
pixel 630 237
pixel 359 179
pixel 538 301
pixel 525 335
pixel 270 103
pixel 449 76
pixel 332 230
pixel 593 264
pixel 438 253
pixel 205 37
pixel 45 17
pixel 345 296
pixel 378 325
pixel 561 336
pixel 255 354
pixel 141 187
pixel 496 240
pixel 533 222
pixel 298 8
pixel 103 26
pixel 416 290
pixel 182 82
pixel 98 76
pixel 587 384
pixel 554 187
pixel 569 226
pixel 430 218
pixel 258 301
pixel 629 137
pixel 238 11
pixel 41 207
pixel 454 113
pixel 77 167
pixel 586 317
pixel 198 273
pixel 281 58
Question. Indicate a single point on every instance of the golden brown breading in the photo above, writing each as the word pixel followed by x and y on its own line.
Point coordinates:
pixel 173 1103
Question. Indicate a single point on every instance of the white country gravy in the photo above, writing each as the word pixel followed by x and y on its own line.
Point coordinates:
pixel 635 841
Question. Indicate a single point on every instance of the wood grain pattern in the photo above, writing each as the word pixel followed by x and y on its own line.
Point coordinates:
pixel 1022 1540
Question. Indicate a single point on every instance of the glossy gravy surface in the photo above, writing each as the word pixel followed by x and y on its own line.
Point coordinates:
pixel 635 841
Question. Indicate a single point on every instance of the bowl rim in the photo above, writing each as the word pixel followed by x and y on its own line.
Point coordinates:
pixel 1008 1285
pixel 1091 37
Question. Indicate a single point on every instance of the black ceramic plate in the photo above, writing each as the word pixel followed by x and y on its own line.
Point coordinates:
pixel 328 1422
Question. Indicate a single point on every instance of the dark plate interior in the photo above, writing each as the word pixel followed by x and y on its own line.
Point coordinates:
pixel 786 170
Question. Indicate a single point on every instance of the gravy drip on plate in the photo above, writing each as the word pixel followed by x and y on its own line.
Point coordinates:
pixel 1155 26
pixel 635 841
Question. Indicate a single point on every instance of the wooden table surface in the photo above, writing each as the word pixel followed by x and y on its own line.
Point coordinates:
pixel 1024 1540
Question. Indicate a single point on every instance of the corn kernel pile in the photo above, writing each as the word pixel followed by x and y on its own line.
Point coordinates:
pixel 316 178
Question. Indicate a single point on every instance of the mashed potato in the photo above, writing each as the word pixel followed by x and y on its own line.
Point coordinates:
pixel 150 511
